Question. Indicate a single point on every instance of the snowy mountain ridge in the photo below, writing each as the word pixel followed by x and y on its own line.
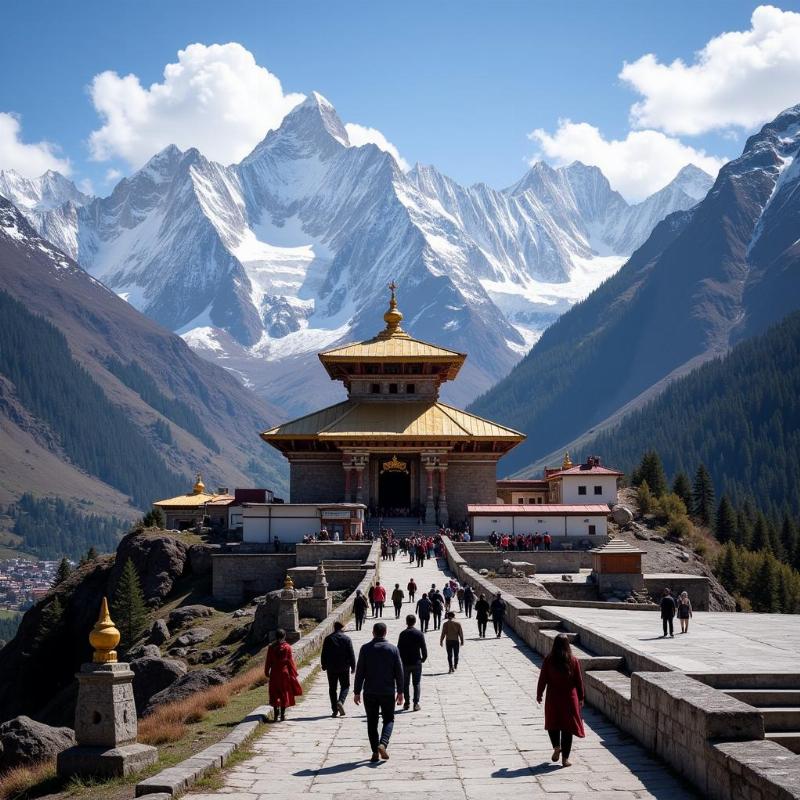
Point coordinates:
pixel 260 264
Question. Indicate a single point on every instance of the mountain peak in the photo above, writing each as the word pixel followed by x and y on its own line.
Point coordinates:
pixel 692 180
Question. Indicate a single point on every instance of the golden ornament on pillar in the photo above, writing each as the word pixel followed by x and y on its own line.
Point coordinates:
pixel 393 317
pixel 288 583
pixel 104 637
pixel 199 486
pixel 567 463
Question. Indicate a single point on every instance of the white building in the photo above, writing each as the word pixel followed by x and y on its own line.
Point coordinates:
pixel 564 523
pixel 263 523
pixel 585 484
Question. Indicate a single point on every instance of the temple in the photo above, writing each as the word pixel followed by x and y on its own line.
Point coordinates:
pixel 393 445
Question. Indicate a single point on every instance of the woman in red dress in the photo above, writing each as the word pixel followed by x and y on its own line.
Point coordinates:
pixel 561 675
pixel 281 672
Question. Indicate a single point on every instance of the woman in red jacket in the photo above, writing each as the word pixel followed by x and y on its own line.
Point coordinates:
pixel 561 675
pixel 281 672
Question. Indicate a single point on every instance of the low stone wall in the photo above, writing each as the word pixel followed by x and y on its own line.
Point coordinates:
pixel 310 555
pixel 569 590
pixel 538 602
pixel 338 577
pixel 238 577
pixel 698 587
pixel 545 561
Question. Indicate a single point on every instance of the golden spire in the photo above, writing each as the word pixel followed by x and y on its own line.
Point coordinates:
pixel 199 486
pixel 393 317
pixel 104 637
pixel 567 463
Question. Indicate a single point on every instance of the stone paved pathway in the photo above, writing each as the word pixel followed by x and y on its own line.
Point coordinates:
pixel 478 736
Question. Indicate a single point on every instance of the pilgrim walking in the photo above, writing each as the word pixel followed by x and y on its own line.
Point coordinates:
pixel 360 605
pixel 482 609
pixel 561 678
pixel 413 654
pixel 453 637
pixel 281 673
pixel 338 660
pixel 498 612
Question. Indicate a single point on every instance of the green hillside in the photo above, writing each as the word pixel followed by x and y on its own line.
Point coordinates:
pixel 739 415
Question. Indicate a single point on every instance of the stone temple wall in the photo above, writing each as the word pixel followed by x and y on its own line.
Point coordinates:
pixel 469 482
pixel 316 482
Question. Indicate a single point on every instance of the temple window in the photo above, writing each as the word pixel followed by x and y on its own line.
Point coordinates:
pixel 392 388
pixel 581 490
pixel 375 388
pixel 410 388
pixel 598 490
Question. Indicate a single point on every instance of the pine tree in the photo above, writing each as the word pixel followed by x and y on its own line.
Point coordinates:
pixel 651 471
pixel 790 541
pixel 682 487
pixel 703 496
pixel 63 572
pixel 50 622
pixel 744 530
pixel 128 609
pixel 729 568
pixel 91 554
pixel 725 523
pixel 645 498
pixel 764 586
pixel 761 538
pixel 153 519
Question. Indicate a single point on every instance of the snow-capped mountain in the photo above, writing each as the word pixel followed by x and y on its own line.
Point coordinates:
pixel 261 264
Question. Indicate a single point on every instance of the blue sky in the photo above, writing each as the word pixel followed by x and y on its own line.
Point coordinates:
pixel 456 84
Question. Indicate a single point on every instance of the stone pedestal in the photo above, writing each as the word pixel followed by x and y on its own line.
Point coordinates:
pixel 321 600
pixel 288 618
pixel 105 725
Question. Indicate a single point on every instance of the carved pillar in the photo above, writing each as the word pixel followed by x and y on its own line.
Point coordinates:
pixel 359 483
pixel 444 517
pixel 430 511
pixel 347 483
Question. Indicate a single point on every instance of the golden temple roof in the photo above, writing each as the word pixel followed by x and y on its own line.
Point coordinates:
pixel 404 420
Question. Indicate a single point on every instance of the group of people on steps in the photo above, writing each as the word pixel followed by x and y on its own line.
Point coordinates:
pixel 388 675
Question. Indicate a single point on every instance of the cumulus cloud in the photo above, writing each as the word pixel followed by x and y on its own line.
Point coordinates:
pixel 360 134
pixel 29 159
pixel 215 97
pixel 739 79
pixel 112 175
pixel 636 166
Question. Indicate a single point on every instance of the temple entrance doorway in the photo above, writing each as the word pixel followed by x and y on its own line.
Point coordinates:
pixel 394 491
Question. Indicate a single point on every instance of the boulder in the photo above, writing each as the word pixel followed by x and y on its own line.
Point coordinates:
pixel 242 612
pixel 153 675
pixel 144 651
pixel 622 515
pixel 185 614
pixel 683 556
pixel 193 636
pixel 195 681
pixel 200 558
pixel 209 656
pixel 23 741
pixel 655 538
pixel 159 633
pixel 159 559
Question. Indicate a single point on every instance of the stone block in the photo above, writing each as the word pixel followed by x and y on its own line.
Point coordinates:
pixel 103 762
pixel 105 712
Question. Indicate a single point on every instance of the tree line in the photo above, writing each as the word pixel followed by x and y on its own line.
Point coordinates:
pixel 759 563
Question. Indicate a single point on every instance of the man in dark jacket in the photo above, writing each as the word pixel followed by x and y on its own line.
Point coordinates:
pixel 667 613
pixel 379 673
pixel 498 609
pixel 413 653
pixel 469 599
pixel 338 659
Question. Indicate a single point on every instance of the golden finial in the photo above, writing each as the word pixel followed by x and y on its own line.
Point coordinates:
pixel 567 463
pixel 288 584
pixel 393 317
pixel 199 486
pixel 104 637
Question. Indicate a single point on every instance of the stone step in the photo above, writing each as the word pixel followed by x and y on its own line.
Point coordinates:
pixel 763 698
pixel 588 661
pixel 781 719
pixel 789 739
pixel 552 630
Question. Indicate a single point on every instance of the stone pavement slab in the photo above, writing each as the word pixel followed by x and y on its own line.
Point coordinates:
pixel 479 735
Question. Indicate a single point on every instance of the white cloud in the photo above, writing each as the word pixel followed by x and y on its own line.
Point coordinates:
pixel 29 159
pixel 112 175
pixel 361 134
pixel 216 98
pixel 636 166
pixel 739 79
pixel 86 186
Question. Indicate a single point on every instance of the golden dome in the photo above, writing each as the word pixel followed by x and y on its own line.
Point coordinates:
pixel 104 637
pixel 393 317
pixel 567 463
pixel 199 486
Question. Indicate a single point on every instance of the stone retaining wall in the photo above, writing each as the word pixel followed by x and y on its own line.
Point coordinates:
pixel 238 577
pixel 698 587
pixel 310 555
pixel 545 561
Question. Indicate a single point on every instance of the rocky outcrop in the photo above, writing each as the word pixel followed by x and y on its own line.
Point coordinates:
pixel 193 636
pixel 23 741
pixel 181 616
pixel 159 559
pixel 159 633
pixel 200 558
pixel 153 675
pixel 195 681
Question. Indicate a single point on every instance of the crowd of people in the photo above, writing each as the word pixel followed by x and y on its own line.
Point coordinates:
pixel 387 675
pixel 521 541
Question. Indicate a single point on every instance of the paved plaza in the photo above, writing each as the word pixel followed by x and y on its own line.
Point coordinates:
pixel 479 735
pixel 716 642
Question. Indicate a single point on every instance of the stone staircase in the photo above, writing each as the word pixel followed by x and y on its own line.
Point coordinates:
pixel 779 706
pixel 402 526
pixel 545 630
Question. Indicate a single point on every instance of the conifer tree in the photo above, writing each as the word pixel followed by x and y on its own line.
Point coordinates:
pixel 730 568
pixel 645 498
pixel 790 541
pixel 725 522
pixel 50 622
pixel 153 519
pixel 63 572
pixel 761 538
pixel 744 531
pixel 703 496
pixel 682 487
pixel 91 554
pixel 128 608
pixel 764 585
pixel 651 471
